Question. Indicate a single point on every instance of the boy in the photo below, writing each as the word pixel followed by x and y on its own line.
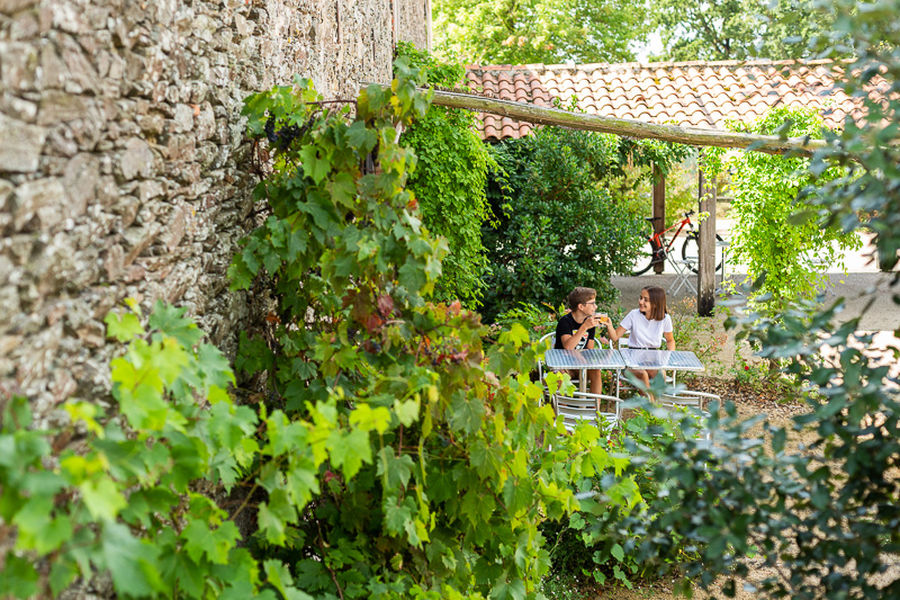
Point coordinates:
pixel 576 329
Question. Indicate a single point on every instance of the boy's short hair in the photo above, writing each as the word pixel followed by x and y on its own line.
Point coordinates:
pixel 657 303
pixel 580 295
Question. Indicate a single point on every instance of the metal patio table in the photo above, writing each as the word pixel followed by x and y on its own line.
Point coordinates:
pixel 597 358
pixel 672 360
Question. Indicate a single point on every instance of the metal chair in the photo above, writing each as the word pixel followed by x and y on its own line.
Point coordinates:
pixel 684 270
pixel 583 407
pixel 694 401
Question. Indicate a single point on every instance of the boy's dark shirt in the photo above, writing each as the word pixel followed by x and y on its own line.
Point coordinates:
pixel 569 326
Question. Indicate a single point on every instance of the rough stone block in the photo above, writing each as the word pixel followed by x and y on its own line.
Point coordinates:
pixel 24 26
pixel 17 108
pixel 150 189
pixel 184 118
pixel 53 69
pixel 137 160
pixel 13 6
pixel 82 75
pixel 44 198
pixel 21 147
pixel 18 69
pixel 80 181
pixel 6 189
pixel 59 107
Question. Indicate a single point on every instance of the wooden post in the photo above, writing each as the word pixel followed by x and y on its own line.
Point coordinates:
pixel 659 208
pixel 706 279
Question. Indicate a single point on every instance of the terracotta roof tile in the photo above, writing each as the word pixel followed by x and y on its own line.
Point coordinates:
pixel 702 94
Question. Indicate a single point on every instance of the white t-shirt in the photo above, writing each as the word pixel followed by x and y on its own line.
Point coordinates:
pixel 644 333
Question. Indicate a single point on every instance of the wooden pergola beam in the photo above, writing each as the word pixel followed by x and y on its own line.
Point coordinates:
pixel 694 136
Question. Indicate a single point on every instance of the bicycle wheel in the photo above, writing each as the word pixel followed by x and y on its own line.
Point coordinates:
pixel 690 250
pixel 646 259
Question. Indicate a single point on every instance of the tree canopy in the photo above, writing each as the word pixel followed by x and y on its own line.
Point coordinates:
pixel 738 29
pixel 539 31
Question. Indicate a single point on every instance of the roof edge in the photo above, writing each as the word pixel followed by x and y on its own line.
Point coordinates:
pixel 651 65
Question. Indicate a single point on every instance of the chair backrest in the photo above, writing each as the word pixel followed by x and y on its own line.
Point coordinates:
pixel 581 406
pixel 542 341
pixel 689 399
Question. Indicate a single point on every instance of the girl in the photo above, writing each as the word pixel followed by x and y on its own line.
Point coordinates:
pixel 647 325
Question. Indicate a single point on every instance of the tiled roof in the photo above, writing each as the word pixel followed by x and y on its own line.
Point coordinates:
pixel 700 94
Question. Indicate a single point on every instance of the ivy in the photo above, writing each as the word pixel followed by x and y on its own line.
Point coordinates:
pixel 449 182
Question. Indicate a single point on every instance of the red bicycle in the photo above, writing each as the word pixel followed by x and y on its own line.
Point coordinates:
pixel 661 246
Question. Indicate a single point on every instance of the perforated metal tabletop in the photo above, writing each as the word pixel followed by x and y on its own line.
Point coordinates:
pixel 680 360
pixel 584 359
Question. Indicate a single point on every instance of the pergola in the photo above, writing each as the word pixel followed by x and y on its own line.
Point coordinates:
pixel 689 102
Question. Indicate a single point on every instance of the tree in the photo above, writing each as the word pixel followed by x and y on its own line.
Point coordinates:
pixel 563 217
pixel 738 29
pixel 539 31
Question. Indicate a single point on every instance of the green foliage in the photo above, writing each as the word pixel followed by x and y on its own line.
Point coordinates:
pixel 822 517
pixel 563 214
pixel 535 31
pixel 767 237
pixel 537 320
pixel 449 182
pixel 866 193
pixel 739 29
pixel 127 503
pixel 415 465
pixel 593 543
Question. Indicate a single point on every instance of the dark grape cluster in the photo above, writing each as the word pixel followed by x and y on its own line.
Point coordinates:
pixel 282 137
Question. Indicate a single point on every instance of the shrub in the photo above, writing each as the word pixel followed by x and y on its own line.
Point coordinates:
pixel 423 445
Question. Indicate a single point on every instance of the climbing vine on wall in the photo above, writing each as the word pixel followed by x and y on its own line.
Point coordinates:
pixel 449 181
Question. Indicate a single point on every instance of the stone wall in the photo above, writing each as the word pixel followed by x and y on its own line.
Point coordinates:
pixel 123 170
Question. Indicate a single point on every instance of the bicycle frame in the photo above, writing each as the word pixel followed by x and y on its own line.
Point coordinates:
pixel 658 239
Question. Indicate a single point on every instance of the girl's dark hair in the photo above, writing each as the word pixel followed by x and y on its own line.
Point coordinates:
pixel 580 295
pixel 657 303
